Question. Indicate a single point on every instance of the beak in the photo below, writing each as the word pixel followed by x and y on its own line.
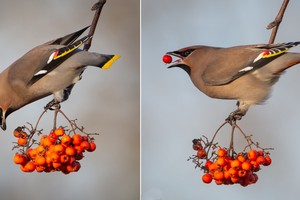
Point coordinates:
pixel 3 120
pixel 3 125
pixel 178 60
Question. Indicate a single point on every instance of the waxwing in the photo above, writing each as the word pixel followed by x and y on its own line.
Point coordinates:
pixel 243 73
pixel 50 68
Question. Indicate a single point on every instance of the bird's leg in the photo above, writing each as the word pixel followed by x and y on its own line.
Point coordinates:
pixel 52 105
pixel 238 113
pixel 234 116
pixel 59 97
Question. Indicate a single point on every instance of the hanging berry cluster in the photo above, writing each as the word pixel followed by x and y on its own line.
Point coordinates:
pixel 225 165
pixel 58 150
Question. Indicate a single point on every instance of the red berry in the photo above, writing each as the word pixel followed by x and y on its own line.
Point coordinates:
pixel 268 161
pixel 167 59
pixel 241 158
pixel 207 164
pixel 201 154
pixel 235 164
pixel 218 175
pixel 221 152
pixel 206 178
pixel 221 161
pixel 246 166
pixel 85 145
pixel 52 137
pixel 252 154
pixel 260 160
pixel 212 167
pixel 20 159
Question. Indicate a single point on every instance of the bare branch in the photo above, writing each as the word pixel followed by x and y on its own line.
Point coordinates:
pixel 98 7
pixel 275 24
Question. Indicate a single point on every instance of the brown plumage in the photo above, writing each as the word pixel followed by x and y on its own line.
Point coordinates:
pixel 242 73
pixel 50 68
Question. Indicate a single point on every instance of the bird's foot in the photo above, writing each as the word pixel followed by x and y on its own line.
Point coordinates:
pixel 234 116
pixel 52 105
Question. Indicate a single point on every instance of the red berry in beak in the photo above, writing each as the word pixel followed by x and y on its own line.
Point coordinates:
pixel 167 59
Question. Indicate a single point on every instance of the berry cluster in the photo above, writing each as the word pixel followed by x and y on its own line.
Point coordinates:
pixel 56 151
pixel 223 168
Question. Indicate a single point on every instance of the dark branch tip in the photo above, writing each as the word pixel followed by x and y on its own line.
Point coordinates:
pixel 98 5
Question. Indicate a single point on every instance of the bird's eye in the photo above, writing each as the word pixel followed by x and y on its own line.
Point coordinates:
pixel 186 53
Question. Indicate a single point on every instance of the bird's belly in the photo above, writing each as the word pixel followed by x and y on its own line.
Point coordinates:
pixel 55 81
pixel 239 89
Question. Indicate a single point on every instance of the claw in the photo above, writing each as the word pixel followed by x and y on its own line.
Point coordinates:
pixel 52 105
pixel 234 116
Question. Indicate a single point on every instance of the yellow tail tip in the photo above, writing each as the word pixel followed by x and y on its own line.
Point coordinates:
pixel 111 61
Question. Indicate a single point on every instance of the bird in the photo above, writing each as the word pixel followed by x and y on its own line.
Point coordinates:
pixel 244 73
pixel 50 68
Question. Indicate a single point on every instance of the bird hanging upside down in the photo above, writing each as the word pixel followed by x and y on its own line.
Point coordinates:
pixel 50 68
pixel 243 73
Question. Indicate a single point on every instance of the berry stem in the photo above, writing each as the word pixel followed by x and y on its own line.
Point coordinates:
pixel 248 138
pixel 55 118
pixel 231 146
pixel 212 140
pixel 231 151
pixel 250 141
pixel 74 126
pixel 38 121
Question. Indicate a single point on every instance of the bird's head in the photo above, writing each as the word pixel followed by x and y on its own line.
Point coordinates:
pixel 183 56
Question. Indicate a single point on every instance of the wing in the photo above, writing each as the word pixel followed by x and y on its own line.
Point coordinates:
pixel 57 57
pixel 245 58
pixel 67 39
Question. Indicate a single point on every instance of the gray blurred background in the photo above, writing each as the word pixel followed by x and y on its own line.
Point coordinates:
pixel 104 101
pixel 174 112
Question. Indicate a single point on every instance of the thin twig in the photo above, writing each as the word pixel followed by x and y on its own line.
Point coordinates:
pixel 55 118
pixel 250 141
pixel 74 126
pixel 248 138
pixel 212 140
pixel 39 119
pixel 275 24
pixel 98 7
pixel 231 147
